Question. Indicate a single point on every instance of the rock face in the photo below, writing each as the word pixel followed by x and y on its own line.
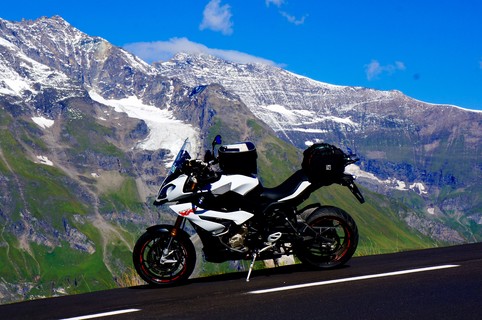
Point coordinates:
pixel 87 131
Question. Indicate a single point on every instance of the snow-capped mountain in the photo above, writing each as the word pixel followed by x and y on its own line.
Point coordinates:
pixel 287 102
pixel 55 43
pixel 51 54
pixel 87 130
pixel 31 81
pixel 297 106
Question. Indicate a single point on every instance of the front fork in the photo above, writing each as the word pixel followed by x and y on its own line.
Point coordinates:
pixel 179 224
pixel 166 252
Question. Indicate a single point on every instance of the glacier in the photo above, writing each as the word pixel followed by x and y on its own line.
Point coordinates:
pixel 165 131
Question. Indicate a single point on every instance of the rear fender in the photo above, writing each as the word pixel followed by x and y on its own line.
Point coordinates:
pixel 306 211
pixel 349 181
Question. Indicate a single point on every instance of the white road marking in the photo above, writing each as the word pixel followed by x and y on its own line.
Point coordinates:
pixel 380 275
pixel 104 314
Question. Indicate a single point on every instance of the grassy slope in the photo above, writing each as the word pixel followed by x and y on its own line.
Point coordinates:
pixel 432 152
pixel 41 262
pixel 380 227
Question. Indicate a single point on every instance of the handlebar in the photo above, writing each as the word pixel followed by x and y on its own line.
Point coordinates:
pixel 201 170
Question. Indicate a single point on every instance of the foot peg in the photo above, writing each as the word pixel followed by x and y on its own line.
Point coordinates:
pixel 273 238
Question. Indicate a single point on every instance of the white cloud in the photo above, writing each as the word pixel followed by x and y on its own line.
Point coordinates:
pixel 164 50
pixel 375 69
pixel 217 17
pixel 277 3
pixel 293 19
pixel 289 17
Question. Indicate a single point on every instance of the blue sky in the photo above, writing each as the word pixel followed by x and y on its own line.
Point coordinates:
pixel 429 50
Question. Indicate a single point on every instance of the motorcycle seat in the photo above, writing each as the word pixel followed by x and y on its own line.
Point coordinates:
pixel 286 188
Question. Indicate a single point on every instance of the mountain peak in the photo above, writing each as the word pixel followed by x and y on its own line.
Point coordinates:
pixel 53 19
pixel 53 23
pixel 198 57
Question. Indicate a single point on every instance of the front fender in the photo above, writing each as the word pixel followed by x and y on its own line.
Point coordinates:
pixel 166 228
pixel 160 228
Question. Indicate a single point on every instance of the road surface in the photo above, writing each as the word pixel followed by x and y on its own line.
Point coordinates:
pixel 442 283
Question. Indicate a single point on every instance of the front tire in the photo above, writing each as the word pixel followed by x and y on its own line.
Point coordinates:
pixel 330 238
pixel 163 260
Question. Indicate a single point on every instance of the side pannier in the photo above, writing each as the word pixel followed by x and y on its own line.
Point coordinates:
pixel 324 163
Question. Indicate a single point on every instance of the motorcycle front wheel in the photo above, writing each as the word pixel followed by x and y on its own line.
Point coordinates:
pixel 163 260
pixel 330 238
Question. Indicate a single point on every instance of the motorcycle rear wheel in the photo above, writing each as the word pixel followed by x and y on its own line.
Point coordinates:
pixel 331 238
pixel 163 260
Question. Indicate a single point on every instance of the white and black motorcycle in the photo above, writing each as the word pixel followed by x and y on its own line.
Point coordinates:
pixel 237 218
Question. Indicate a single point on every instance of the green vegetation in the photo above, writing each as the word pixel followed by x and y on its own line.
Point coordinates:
pixel 124 197
pixel 70 270
pixel 380 226
pixel 46 215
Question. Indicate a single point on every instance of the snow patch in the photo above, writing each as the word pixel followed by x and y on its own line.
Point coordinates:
pixel 355 170
pixel 346 120
pixel 6 43
pixel 279 109
pixel 392 183
pixel 13 86
pixel 309 143
pixel 419 187
pixel 45 160
pixel 304 117
pixel 307 130
pixel 165 131
pixel 42 122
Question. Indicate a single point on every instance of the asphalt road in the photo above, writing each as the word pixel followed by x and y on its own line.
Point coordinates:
pixel 443 283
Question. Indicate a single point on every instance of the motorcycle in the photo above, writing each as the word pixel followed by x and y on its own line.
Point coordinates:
pixel 237 218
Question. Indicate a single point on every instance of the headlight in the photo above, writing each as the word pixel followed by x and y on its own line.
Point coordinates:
pixel 164 192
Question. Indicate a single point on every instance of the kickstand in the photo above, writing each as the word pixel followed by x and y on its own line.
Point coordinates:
pixel 255 254
pixel 269 244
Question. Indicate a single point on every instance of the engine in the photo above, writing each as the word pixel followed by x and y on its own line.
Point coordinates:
pixel 237 241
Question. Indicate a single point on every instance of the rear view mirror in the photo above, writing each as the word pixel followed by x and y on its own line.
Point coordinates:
pixel 217 140
pixel 210 155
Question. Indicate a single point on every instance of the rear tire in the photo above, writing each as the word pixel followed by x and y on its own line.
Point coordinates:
pixel 162 266
pixel 330 239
